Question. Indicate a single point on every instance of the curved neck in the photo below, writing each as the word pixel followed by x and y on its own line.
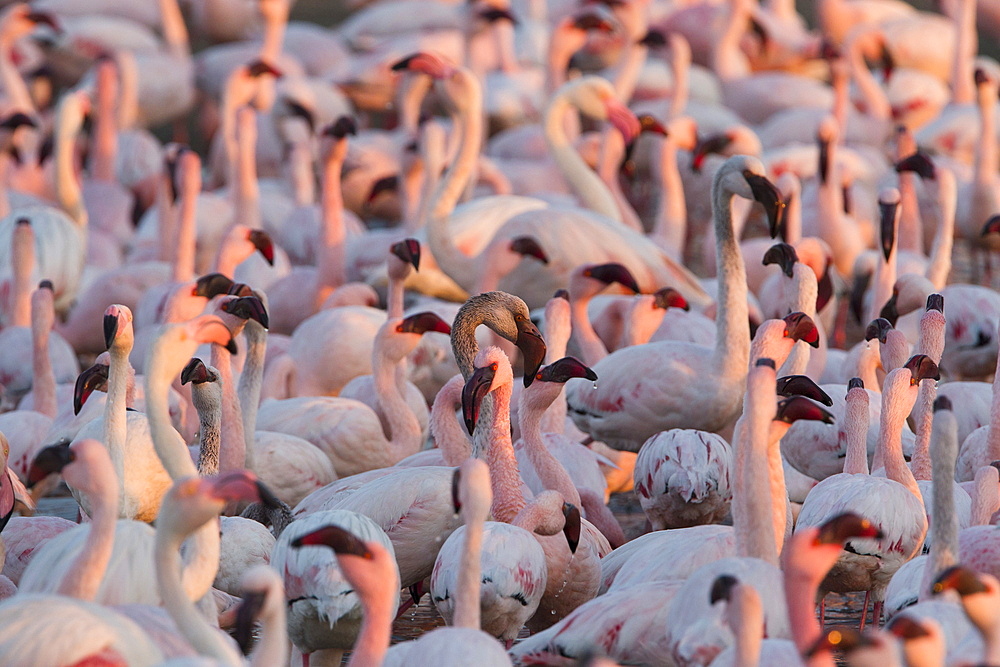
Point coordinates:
pixel 670 229
pixel 467 614
pixel 628 70
pixel 403 423
pixel 895 409
pixel 876 102
pixel 611 155
pixel 642 319
pixel 584 336
pixel 232 251
pixel 330 267
pixel 115 416
pixel 726 59
pixel 856 416
pixel 586 185
pixel 868 362
pixel 549 470
pixel 505 478
pixel 250 383
pixel 447 432
pixel 67 184
pixel 205 639
pixel 83 579
pixel 207 399
pixel 14 87
pixel 732 341
pixel 232 454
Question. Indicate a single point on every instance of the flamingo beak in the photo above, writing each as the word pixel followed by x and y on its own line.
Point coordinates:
pixel 475 390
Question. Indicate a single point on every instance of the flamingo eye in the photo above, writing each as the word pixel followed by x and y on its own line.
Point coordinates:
pixel 493 366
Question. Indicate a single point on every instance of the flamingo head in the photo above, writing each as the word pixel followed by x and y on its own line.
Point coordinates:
pixel 408 252
pixel 795 408
pixel 784 256
pixel 803 385
pixel 878 329
pixel 799 326
pixel 888 205
pixel 117 324
pixel 196 372
pixel 922 367
pixel 211 285
pixel 919 163
pixel 612 272
pixel 93 379
pixel 424 62
pixel 261 240
pixel 668 297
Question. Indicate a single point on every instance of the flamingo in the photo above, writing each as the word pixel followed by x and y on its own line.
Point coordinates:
pixel 717 372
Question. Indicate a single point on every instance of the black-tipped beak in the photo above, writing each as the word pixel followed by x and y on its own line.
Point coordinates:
pixel 231 346
pixel 799 326
pixel 653 39
pixel 918 163
pixel 267 497
pixel 765 192
pixel 564 370
pixel 824 288
pixel 87 382
pixel 795 408
pixel 722 587
pixel 715 143
pixel 846 526
pixel 803 385
pixel 573 526
pixel 960 579
pixel 212 285
pixel 421 323
pixel 248 308
pixel 384 184
pixel 494 14
pixel 475 390
pixel 668 297
pixel 246 614
pixel 613 273
pixel 532 346
pixel 922 367
pixel 650 124
pixel 855 383
pixel 260 68
pixel 879 329
pixel 341 127
pixel 50 460
pixel 456 486
pixel 529 247
pixel 44 18
pixel 408 250
pixel 784 256
pixel 110 330
pixel 299 111
pixel 905 628
pixel 890 311
pixel 887 215
pixel 992 226
pixel 341 541
pixel 824 159
pixel 942 403
pixel 197 372
pixel 262 242
pixel 935 302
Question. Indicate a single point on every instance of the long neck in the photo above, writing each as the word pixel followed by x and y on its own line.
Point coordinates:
pixel 445 429
pixel 780 508
pixel 611 155
pixel 232 455
pixel 250 383
pixel 628 70
pixel 670 229
pixel 875 99
pixel 985 496
pixel 680 56
pixel 987 160
pixel 890 440
pixel 931 343
pixel 868 362
pixel 104 146
pixel 166 222
pixel 963 90
pixel 18 97
pixel 272 647
pixel 67 185
pixel 115 416
pixel 402 422
pixel 175 33
pixel 300 173
pixel 549 470
pixel 469 575
pixel 911 235
pixel 993 434
pixel 246 193
pixel 375 633
pixel 642 319
pixel 885 279
pixel 84 577
pixel 800 597
pixel 205 639
pixel 128 98
pixel 505 478
pixel 330 266
pixel 732 341
pixel 939 265
pixel 746 619
pixel 752 520
pixel 43 382
pixel 944 548
pixel 451 187
pixel 586 185
pixel 274 35
pixel 184 246
pixel 207 399
pixel 558 328
pixel 584 336
pixel 23 260
pixel 727 60
pixel 856 416
pixel 804 292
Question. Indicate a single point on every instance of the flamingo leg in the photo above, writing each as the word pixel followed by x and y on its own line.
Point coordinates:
pixel 822 612
pixel 877 614
pixel 864 611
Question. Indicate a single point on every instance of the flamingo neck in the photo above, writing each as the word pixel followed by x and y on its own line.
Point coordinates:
pixel 586 185
pixel 505 478
pixel 963 90
pixel 856 416
pixel 250 384
pixel 944 548
pixel 993 434
pixel 746 619
pixel 16 90
pixel 642 319
pixel 680 52
pixel 931 343
pixel 232 252
pixel 467 613
pixel 939 265
pixel 876 101
pixel 670 229
pixel 394 297
pixel 175 33
pixel 987 157
pixel 84 578
pixel 184 244
pixel 776 481
pixel 166 214
pixel 403 423
pixel 895 351
pixel 205 640
pixel 115 415
pixel 503 35
pixel 611 155
pixel 330 265
pixel 246 193
pixel 23 261
pixel 274 34
pixel 885 279
pixel 376 631
pixel 985 496
pixel 868 362
pixel 533 403
pixel 801 589
pixel 233 451
pixel 445 429
pixel 629 67
pixel 732 341
pixel 583 335
pixel 162 366
pixel 128 86
pixel 207 399
pixel 895 407
pixel 727 61
pixel 104 147
pixel 300 165
pixel 67 181
pixel 272 647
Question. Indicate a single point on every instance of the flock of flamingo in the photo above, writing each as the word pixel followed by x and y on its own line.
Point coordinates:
pixel 716 254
